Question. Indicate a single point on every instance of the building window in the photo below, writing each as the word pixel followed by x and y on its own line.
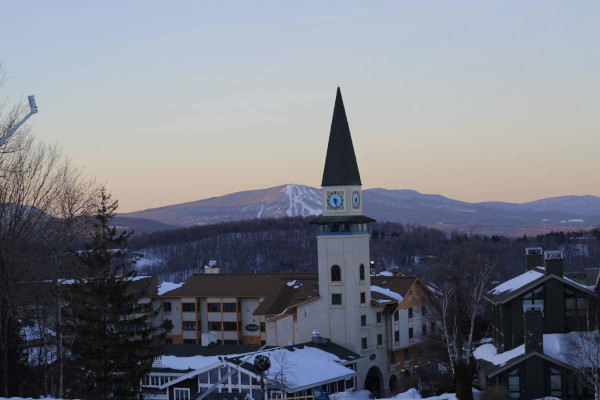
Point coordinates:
pixel 410 312
pixel 214 326
pixel 423 310
pixel 555 383
pixel 364 343
pixel 189 341
pixel 535 297
pixel 406 355
pixel 213 307
pixel 575 309
pixel 230 326
pixel 361 272
pixel 167 307
pixel 168 341
pixel 513 384
pixel 189 325
pixel 396 336
pixel 363 298
pixel 392 358
pixel 188 307
pixel 230 342
pixel 379 339
pixel 410 333
pixel 336 274
pixel 379 317
pixel 182 394
pixel 336 299
pixel 396 315
pixel 229 307
pixel 263 327
pixel 363 320
pixel 424 330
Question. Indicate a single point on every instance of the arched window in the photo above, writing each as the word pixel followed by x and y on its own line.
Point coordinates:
pixel 361 271
pixel 336 274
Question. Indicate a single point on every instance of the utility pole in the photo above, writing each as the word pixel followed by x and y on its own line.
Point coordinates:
pixel 32 110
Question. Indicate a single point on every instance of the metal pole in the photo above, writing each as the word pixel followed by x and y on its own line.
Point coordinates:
pixel 33 109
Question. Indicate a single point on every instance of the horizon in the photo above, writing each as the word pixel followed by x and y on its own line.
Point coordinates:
pixel 364 188
pixel 167 105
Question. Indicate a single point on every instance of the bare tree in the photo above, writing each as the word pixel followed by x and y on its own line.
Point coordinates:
pixel 29 183
pixel 455 307
pixel 583 348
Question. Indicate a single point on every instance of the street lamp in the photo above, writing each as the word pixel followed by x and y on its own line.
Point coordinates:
pixel 32 110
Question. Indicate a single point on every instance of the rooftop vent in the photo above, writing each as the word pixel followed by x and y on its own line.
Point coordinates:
pixel 317 339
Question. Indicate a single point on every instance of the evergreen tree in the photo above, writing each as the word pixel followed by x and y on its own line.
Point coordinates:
pixel 112 348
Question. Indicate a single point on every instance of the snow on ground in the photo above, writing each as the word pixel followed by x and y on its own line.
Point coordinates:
pixel 28 398
pixel 389 293
pixel 165 287
pixel 411 394
pixel 517 282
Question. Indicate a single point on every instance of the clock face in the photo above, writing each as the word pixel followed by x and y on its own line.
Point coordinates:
pixel 335 201
pixel 355 200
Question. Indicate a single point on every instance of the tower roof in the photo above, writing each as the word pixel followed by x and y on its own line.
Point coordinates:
pixel 341 168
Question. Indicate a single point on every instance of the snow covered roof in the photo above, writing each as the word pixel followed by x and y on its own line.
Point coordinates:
pixel 305 365
pixel 165 287
pixel 521 283
pixel 554 348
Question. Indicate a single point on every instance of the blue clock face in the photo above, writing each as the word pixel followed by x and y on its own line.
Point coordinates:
pixel 355 200
pixel 335 200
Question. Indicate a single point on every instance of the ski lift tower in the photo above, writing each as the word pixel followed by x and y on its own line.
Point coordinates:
pixel 32 110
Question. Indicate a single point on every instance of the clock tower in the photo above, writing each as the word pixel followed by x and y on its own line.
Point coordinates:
pixel 343 240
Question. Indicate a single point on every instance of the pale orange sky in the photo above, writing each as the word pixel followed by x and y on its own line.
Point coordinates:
pixel 472 100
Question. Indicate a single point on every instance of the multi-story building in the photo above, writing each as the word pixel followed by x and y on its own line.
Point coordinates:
pixel 380 318
pixel 535 316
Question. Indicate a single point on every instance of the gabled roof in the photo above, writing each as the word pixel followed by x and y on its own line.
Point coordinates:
pixel 313 364
pixel 555 347
pixel 279 290
pixel 526 281
pixel 341 168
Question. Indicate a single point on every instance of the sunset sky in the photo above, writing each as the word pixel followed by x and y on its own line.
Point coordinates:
pixel 177 101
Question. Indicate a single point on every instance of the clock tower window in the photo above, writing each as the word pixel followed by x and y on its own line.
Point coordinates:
pixel 336 274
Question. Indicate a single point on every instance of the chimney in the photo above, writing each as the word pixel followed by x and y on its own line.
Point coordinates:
pixel 317 339
pixel 211 268
pixel 535 257
pixel 534 330
pixel 554 262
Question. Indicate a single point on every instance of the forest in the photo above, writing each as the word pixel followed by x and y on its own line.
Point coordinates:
pixel 289 244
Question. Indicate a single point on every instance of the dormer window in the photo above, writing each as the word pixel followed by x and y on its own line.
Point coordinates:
pixel 336 274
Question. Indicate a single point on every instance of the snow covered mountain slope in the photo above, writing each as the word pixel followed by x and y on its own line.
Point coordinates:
pixel 406 206
pixel 280 201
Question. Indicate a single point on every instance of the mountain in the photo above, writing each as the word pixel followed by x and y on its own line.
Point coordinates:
pixel 275 202
pixel 406 206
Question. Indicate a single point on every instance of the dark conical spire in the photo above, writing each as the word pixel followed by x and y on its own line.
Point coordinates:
pixel 341 168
